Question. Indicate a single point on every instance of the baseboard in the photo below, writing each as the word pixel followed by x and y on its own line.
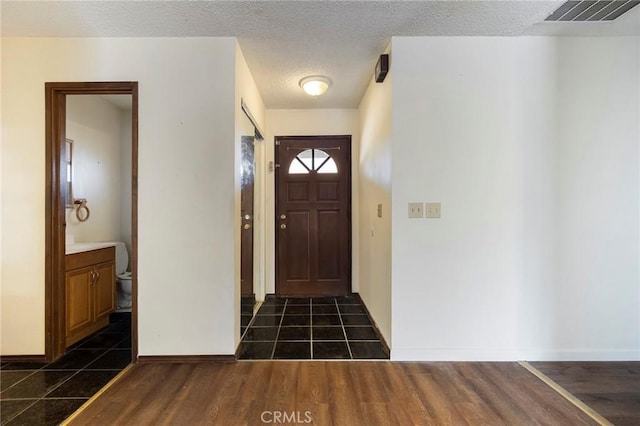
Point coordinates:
pixel 22 358
pixel 507 355
pixel 581 355
pixel 145 359
pixel 452 355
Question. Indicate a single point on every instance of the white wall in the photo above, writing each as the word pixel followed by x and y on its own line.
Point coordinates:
pixel 309 122
pixel 537 68
pixel 597 285
pixel 186 190
pixel 454 278
pixel 374 232
pixel 531 145
pixel 95 126
pixel 247 90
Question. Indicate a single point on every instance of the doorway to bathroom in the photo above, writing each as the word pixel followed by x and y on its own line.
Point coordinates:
pixel 313 215
pixel 91 198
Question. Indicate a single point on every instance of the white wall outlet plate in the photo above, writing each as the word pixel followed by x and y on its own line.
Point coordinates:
pixel 432 210
pixel 416 210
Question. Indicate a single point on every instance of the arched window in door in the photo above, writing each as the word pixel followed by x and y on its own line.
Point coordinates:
pixel 315 160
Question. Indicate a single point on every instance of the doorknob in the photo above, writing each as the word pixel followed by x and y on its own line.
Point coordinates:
pixel 283 226
pixel 246 226
pixel 247 216
pixel 283 216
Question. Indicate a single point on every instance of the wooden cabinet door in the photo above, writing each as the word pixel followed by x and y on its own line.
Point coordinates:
pixel 104 291
pixel 79 312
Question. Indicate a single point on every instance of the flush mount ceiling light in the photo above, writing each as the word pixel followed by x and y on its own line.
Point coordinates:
pixel 315 85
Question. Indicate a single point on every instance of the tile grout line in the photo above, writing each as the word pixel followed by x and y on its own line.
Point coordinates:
pixel 311 328
pixel 19 381
pixel 35 401
pixel 344 332
pixel 275 343
pixel 597 417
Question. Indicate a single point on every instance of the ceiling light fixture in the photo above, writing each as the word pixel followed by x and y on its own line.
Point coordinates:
pixel 315 85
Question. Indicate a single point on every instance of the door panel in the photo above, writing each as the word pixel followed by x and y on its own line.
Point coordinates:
pixel 313 215
pixel 298 248
pixel 105 295
pixel 78 300
pixel 328 245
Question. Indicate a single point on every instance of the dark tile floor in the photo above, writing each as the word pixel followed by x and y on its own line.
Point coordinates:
pixel 47 393
pixel 312 328
pixel 247 304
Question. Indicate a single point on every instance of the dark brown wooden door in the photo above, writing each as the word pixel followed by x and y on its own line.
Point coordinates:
pixel 246 210
pixel 313 215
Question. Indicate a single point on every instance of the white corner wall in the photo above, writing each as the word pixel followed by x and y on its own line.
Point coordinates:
pixel 95 126
pixel 532 146
pixel 186 184
pixel 374 232
pixel 309 122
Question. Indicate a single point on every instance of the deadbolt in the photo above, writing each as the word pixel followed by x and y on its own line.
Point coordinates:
pixel 283 216
pixel 283 226
pixel 247 216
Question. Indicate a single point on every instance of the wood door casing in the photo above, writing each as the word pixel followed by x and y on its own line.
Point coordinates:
pixel 313 216
pixel 55 171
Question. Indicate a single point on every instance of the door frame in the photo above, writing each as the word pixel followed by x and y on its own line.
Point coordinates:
pixel 279 169
pixel 55 213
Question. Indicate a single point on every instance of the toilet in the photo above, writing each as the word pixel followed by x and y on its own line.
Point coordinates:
pixel 123 279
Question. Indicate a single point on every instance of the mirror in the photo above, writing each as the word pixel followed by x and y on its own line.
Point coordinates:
pixel 250 221
pixel 247 175
pixel 68 185
pixel 98 152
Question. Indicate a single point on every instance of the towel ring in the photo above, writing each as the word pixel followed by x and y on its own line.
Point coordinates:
pixel 81 204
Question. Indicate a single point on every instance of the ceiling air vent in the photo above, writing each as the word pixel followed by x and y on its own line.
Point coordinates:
pixel 597 10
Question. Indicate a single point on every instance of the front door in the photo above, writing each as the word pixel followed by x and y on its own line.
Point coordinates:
pixel 313 215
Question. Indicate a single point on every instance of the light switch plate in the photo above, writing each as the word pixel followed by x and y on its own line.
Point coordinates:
pixel 432 210
pixel 416 210
pixel 379 210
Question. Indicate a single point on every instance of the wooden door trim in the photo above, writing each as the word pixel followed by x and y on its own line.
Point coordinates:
pixel 55 123
pixel 347 138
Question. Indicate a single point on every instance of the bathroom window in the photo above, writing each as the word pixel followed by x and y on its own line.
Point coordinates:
pixel 313 160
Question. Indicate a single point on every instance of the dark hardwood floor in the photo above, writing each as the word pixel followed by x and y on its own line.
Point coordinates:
pixel 610 388
pixel 330 393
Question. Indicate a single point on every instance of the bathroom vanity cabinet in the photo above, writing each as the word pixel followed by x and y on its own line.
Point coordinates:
pixel 90 292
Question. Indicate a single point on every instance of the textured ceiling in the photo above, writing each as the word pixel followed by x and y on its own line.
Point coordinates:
pixel 284 41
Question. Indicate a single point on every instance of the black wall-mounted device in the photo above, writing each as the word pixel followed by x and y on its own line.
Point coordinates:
pixel 382 68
